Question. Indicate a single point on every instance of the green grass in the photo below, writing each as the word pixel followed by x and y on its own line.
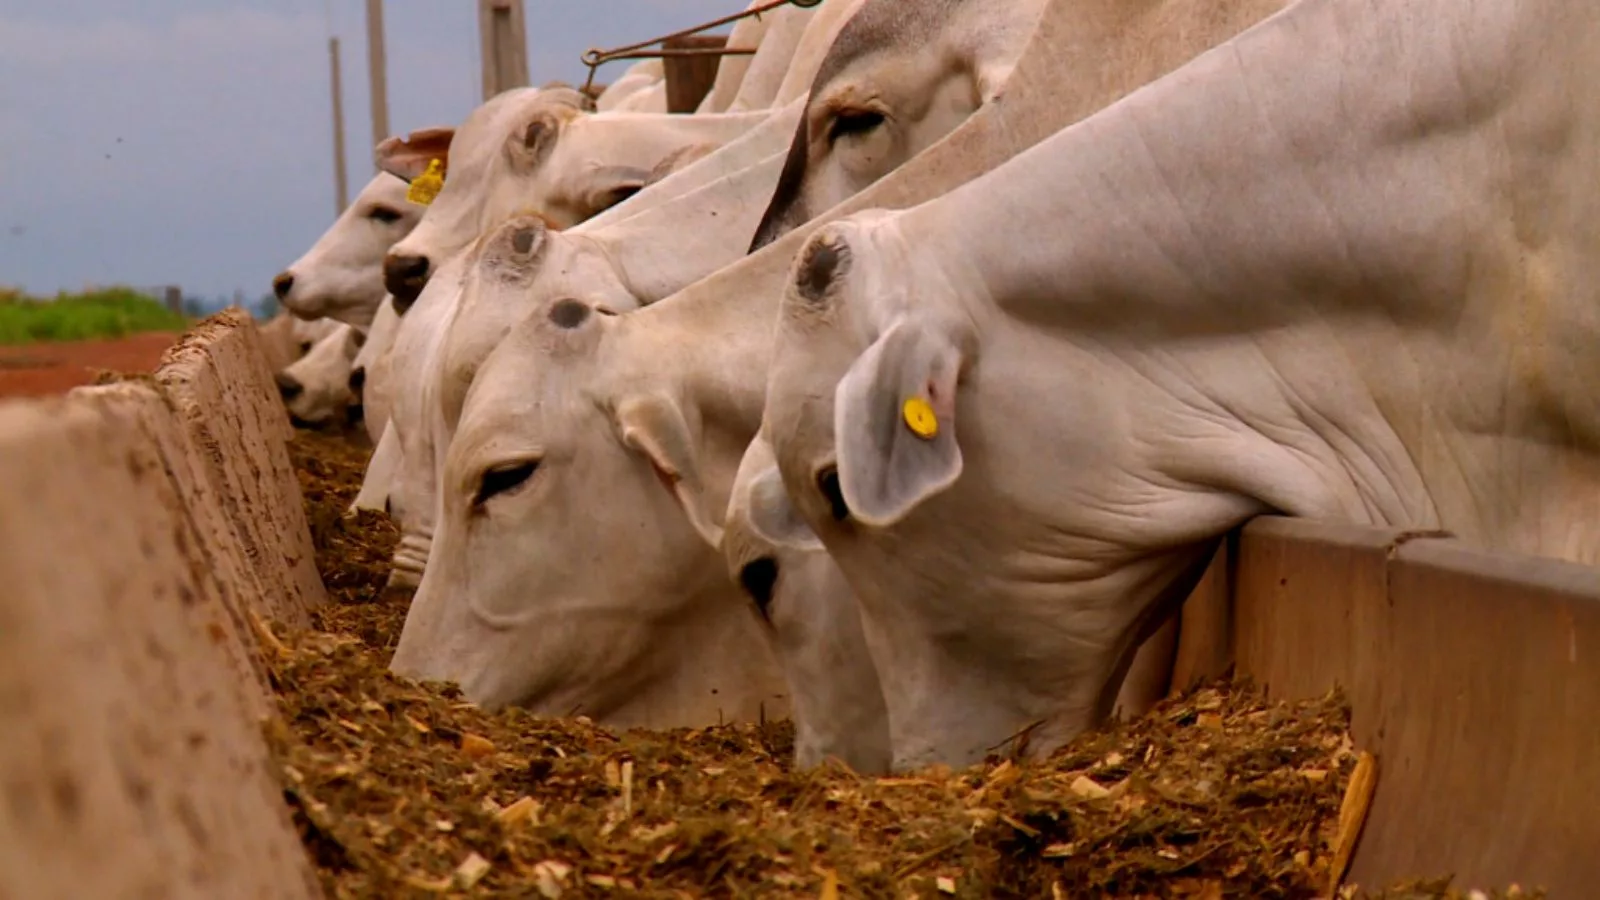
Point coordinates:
pixel 108 313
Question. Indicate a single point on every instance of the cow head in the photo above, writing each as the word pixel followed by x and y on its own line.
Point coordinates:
pixel 553 581
pixel 317 388
pixel 908 419
pixel 494 164
pixel 341 276
pixel 900 75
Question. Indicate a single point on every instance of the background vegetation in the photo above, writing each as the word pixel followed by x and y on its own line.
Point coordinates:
pixel 103 313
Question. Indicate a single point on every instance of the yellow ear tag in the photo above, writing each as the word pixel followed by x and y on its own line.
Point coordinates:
pixel 426 186
pixel 920 418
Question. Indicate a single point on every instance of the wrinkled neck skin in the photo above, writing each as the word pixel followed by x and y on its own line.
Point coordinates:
pixel 640 140
pixel 720 329
pixel 760 141
pixel 658 253
pixel 1388 278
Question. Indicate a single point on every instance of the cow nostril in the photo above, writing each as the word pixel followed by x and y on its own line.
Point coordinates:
pixel 828 484
pixel 288 386
pixel 404 276
pixel 758 577
pixel 358 380
pixel 282 285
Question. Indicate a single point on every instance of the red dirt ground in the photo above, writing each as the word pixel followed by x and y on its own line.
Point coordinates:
pixel 37 370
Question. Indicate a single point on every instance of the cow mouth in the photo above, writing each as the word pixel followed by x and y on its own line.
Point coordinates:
pixel 405 293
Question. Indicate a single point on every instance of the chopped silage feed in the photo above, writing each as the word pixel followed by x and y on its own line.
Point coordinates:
pixel 402 789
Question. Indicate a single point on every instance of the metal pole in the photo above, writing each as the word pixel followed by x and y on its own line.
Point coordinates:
pixel 340 186
pixel 502 45
pixel 377 72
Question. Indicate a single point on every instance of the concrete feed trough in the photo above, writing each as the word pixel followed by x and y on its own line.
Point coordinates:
pixel 148 527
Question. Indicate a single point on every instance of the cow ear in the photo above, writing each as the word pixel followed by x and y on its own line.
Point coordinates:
pixel 895 424
pixel 772 515
pixel 612 185
pixel 655 427
pixel 408 157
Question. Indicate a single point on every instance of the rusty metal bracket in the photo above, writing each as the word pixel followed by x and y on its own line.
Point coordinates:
pixel 595 58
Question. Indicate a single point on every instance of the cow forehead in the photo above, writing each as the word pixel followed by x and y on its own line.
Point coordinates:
pixel 384 187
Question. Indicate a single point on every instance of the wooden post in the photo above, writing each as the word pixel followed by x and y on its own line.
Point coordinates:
pixel 174 298
pixel 377 73
pixel 502 45
pixel 689 78
pixel 341 190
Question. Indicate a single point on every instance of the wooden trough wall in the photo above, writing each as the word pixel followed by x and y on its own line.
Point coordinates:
pixel 143 525
pixel 147 526
pixel 1474 678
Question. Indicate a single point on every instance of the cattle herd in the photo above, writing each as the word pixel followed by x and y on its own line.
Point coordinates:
pixel 907 386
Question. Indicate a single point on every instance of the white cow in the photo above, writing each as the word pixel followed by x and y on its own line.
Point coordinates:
pixel 317 388
pixel 529 151
pixel 1346 266
pixel 683 377
pixel 341 276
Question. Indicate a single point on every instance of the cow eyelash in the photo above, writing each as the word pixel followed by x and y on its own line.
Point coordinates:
pixel 857 121
pixel 383 214
pixel 503 479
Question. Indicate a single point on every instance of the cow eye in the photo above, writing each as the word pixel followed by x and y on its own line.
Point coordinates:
pixel 855 121
pixel 383 214
pixel 305 347
pixel 503 479
pixel 828 484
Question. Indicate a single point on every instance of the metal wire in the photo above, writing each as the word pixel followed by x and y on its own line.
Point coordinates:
pixel 594 58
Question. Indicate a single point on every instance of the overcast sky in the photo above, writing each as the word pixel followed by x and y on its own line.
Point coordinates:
pixel 189 142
